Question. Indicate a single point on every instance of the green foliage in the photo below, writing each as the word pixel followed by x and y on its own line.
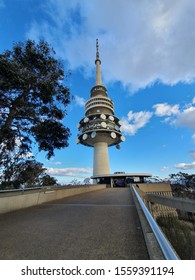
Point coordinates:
pixel 187 180
pixel 31 95
pixel 47 180
pixel 179 235
pixel 33 101
pixel 183 185
pixel 27 173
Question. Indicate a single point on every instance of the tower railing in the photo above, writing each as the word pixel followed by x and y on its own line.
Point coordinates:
pixel 167 250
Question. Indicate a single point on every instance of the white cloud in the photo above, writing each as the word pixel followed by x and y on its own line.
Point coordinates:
pixel 140 41
pixel 80 101
pixel 165 168
pixel 186 118
pixel 51 161
pixel 70 172
pixel 164 109
pixel 57 163
pixel 192 154
pixel 185 166
pixel 134 121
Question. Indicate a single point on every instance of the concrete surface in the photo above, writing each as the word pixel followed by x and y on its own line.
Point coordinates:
pixel 99 225
pixel 11 201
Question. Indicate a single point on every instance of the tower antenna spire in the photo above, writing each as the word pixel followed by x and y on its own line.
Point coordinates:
pixel 97 50
pixel 98 62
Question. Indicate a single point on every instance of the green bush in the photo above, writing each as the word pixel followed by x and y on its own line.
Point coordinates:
pixel 178 234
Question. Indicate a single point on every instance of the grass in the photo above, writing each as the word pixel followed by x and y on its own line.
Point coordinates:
pixel 179 235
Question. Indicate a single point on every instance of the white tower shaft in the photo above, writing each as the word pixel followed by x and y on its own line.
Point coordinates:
pixel 101 160
pixel 98 74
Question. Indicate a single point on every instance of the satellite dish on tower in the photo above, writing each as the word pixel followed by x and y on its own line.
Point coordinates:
pixel 85 136
pixel 103 117
pixel 93 134
pixel 119 122
pixel 77 141
pixel 122 138
pixel 103 124
pixel 113 135
pixel 111 118
pixel 86 120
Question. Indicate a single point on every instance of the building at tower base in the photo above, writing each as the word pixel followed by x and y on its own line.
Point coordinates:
pixel 121 179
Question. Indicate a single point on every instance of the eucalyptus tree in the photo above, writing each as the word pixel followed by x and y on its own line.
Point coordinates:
pixel 33 102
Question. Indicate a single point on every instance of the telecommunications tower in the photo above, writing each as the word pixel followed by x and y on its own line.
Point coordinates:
pixel 100 128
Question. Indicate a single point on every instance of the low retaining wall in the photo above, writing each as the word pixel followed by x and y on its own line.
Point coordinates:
pixel 183 204
pixel 155 187
pixel 11 201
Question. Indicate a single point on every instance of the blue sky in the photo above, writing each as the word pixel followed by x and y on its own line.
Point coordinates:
pixel 148 66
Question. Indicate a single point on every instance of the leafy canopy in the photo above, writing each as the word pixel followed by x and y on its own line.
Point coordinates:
pixel 28 173
pixel 33 100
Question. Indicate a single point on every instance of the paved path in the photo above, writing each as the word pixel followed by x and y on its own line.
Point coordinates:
pixel 98 225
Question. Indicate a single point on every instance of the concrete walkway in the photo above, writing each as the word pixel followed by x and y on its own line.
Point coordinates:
pixel 98 225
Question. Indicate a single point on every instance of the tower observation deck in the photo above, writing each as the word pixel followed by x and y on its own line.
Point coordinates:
pixel 100 128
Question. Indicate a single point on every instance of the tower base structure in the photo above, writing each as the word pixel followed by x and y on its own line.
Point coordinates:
pixel 101 159
pixel 121 179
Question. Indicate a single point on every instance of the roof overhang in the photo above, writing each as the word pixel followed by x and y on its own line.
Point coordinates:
pixel 121 175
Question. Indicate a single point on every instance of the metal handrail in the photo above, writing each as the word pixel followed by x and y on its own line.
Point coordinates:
pixel 164 244
pixel 19 190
